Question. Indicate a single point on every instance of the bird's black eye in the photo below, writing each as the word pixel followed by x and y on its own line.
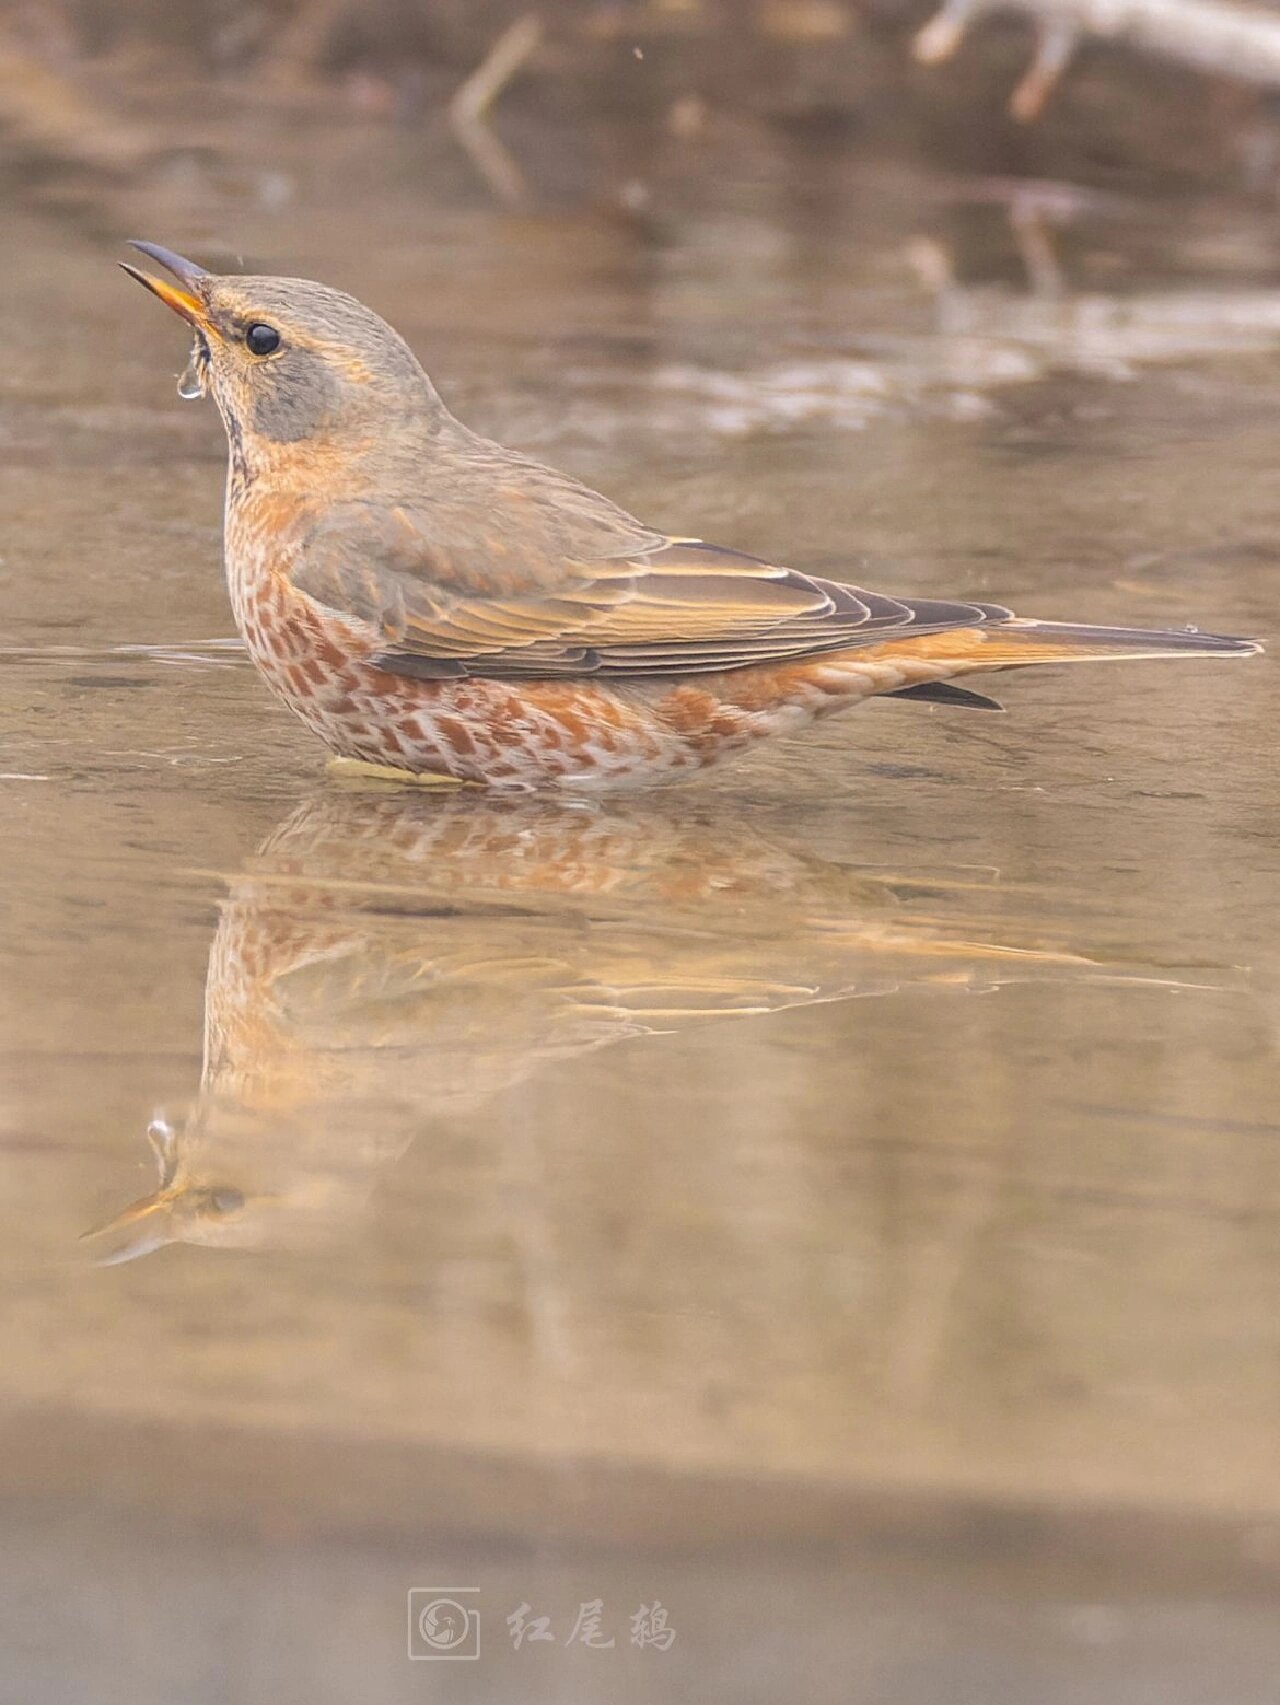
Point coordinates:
pixel 262 340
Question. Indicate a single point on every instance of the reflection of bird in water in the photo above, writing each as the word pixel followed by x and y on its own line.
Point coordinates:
pixel 387 960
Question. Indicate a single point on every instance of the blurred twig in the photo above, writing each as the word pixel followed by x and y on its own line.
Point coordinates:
pixel 1216 36
pixel 469 108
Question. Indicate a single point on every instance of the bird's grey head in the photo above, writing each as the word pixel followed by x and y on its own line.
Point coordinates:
pixel 288 360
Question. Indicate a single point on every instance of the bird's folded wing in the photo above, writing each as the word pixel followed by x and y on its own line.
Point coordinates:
pixel 678 607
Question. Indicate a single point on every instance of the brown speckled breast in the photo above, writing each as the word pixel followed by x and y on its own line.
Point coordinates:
pixel 514 734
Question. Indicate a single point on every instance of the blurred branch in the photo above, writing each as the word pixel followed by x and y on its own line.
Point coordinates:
pixel 469 108
pixel 1220 37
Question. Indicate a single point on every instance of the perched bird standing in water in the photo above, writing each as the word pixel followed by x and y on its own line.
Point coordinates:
pixel 429 602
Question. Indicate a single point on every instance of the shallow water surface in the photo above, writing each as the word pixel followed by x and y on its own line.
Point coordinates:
pixel 836 1199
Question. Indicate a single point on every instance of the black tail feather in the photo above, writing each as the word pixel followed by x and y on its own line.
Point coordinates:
pixel 943 692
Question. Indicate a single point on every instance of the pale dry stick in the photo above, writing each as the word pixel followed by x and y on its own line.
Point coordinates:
pixel 1220 37
pixel 1034 239
pixel 469 108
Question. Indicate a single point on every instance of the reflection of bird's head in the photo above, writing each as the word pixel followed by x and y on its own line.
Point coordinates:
pixel 208 1214
pixel 226 1182
pixel 290 361
pixel 182 1210
pixel 240 1176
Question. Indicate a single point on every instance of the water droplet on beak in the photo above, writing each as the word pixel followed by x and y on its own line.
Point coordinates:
pixel 194 381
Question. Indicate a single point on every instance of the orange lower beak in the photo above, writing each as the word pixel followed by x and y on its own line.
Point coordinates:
pixel 183 301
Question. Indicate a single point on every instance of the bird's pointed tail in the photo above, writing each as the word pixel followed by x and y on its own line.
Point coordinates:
pixel 1009 645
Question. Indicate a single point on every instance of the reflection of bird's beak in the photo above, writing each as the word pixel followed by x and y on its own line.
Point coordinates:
pixel 141 1228
pixel 185 302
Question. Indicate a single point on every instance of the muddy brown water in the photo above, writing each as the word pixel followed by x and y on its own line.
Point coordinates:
pixel 836 1200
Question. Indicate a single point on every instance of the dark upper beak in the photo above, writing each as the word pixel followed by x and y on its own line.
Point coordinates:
pixel 187 301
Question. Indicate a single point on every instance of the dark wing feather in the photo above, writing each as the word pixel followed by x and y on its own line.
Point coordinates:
pixel 534 577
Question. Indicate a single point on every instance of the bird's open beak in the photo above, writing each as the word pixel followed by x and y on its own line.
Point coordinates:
pixel 185 302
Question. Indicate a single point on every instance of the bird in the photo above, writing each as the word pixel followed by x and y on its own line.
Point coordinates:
pixel 434 605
